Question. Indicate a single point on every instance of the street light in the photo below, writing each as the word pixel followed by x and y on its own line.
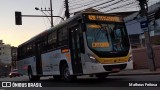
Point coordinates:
pixel 50 11
pixel 36 8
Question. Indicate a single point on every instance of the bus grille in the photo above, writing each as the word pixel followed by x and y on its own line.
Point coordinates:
pixel 110 67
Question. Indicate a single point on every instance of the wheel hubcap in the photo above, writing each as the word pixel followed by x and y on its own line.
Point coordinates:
pixel 66 74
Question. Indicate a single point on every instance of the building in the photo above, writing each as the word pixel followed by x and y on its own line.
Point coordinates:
pixel 135 32
pixel 14 57
pixel 5 58
pixel 5 53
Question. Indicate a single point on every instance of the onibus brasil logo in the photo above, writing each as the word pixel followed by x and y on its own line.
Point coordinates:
pixel 19 84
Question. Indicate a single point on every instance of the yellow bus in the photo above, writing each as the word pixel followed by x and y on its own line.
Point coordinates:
pixel 85 44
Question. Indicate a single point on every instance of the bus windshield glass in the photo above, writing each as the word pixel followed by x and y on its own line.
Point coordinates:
pixel 107 37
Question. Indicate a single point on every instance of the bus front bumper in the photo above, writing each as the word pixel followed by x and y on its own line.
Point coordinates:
pixel 92 68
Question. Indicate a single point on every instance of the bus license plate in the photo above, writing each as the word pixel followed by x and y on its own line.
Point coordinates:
pixel 115 70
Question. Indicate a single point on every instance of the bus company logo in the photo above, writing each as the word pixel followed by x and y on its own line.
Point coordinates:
pixel 6 84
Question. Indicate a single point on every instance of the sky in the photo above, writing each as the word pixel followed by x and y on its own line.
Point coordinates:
pixel 15 35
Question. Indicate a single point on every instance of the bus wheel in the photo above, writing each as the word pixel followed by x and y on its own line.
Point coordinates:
pixel 66 74
pixel 31 77
pixel 101 75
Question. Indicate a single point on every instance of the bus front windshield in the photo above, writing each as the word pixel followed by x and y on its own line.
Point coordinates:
pixel 107 37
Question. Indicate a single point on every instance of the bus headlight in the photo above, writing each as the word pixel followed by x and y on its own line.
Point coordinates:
pixel 92 58
pixel 130 58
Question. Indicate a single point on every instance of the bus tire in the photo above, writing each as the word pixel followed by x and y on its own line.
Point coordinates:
pixel 31 76
pixel 101 75
pixel 66 74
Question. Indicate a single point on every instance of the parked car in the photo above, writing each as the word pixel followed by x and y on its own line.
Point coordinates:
pixel 14 73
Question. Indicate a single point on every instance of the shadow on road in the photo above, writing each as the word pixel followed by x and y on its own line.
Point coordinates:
pixel 84 82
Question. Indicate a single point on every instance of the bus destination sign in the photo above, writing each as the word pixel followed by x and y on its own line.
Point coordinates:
pixel 105 18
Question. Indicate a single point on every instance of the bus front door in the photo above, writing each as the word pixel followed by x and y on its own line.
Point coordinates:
pixel 75 50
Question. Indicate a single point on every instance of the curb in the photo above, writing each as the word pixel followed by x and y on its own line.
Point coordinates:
pixel 131 74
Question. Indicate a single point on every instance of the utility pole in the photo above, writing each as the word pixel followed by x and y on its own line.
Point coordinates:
pixel 67 9
pixel 144 25
pixel 51 13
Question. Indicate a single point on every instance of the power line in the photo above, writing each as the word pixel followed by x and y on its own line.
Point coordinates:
pixel 45 22
pixel 75 1
pixel 125 8
pixel 81 4
pixel 110 4
pixel 131 6
pixel 106 2
pixel 102 3
pixel 120 6
pixel 61 11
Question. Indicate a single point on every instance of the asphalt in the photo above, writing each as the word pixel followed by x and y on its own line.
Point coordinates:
pixel 137 72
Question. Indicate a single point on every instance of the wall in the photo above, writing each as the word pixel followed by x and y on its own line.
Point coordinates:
pixel 5 54
pixel 140 60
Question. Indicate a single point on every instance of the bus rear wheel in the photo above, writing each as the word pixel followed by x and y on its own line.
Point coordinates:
pixel 66 73
pixel 31 76
pixel 101 75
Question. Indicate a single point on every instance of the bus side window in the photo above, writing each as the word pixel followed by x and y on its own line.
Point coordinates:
pixel 29 49
pixel 19 53
pixel 52 39
pixel 44 44
pixel 24 52
pixel 65 36
pixel 60 37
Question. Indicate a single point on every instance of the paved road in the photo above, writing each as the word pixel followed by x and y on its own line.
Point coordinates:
pixel 87 78
pixel 93 83
pixel 84 78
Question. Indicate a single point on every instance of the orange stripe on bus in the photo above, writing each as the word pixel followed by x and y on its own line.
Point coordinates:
pixel 65 50
pixel 68 56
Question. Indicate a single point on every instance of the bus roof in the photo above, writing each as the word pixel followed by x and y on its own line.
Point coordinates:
pixel 50 30
pixel 78 15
